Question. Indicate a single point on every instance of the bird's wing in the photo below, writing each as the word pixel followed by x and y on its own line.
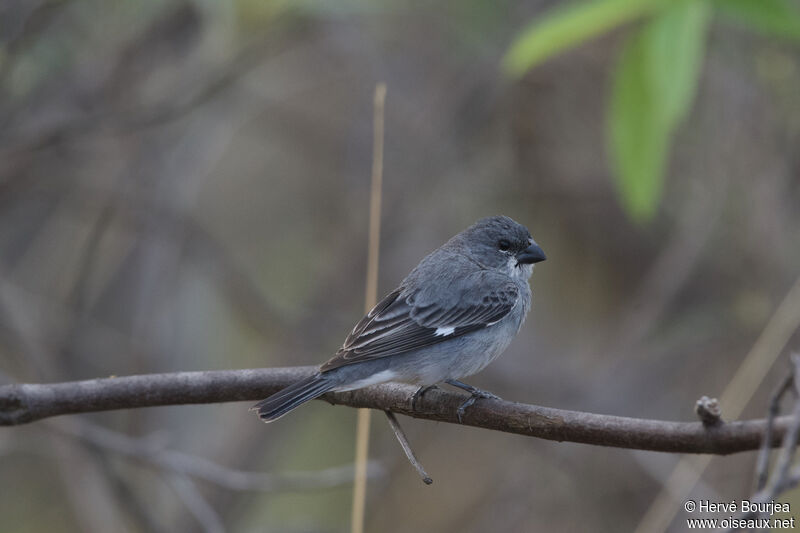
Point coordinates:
pixel 403 322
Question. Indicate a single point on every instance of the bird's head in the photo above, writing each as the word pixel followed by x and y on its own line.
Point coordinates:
pixel 500 242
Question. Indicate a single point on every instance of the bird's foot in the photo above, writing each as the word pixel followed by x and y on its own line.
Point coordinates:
pixel 475 394
pixel 420 392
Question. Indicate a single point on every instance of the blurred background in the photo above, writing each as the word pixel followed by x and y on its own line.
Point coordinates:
pixel 184 185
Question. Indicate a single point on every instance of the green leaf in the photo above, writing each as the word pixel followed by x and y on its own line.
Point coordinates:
pixel 567 26
pixel 676 46
pixel 775 18
pixel 638 134
pixel 654 86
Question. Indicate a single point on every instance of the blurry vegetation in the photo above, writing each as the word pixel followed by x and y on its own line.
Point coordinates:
pixel 656 74
pixel 184 186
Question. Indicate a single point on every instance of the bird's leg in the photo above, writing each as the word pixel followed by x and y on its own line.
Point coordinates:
pixel 475 393
pixel 419 394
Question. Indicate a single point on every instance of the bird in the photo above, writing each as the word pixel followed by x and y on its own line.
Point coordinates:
pixel 454 313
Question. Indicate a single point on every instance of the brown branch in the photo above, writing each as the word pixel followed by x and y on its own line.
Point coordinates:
pixel 23 403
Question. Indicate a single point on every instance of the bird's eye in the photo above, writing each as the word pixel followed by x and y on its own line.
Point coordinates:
pixel 504 244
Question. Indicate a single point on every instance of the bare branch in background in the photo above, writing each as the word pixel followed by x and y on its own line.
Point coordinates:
pixel 147 451
pixel 124 119
pixel 783 477
pixel 23 403
pixel 762 464
pixel 207 518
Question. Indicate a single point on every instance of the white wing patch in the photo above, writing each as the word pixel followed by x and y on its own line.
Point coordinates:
pixel 442 332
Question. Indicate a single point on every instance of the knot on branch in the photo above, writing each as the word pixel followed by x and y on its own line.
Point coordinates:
pixel 709 411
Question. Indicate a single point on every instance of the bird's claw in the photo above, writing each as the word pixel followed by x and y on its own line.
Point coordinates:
pixel 463 407
pixel 474 396
pixel 420 392
pixel 487 395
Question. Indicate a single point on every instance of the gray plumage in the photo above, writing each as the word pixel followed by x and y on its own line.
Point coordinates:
pixel 449 318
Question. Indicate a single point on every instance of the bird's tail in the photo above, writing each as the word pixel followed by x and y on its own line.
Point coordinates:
pixel 293 396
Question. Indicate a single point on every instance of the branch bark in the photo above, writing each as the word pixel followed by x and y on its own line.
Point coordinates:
pixel 24 403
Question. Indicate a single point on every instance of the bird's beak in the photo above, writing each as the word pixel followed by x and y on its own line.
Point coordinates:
pixel 531 254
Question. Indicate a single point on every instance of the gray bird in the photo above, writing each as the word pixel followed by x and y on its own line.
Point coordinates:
pixel 449 318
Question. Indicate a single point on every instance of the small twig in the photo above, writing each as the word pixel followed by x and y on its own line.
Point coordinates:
pixel 708 411
pixel 793 479
pixel 208 519
pixel 762 463
pixel 789 446
pixel 784 477
pixel 401 438
pixel 147 451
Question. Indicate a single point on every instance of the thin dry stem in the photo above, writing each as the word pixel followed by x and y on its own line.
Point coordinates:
pixel 762 463
pixel 370 298
pixel 401 438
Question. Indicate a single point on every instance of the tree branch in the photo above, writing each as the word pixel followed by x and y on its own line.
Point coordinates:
pixel 23 403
